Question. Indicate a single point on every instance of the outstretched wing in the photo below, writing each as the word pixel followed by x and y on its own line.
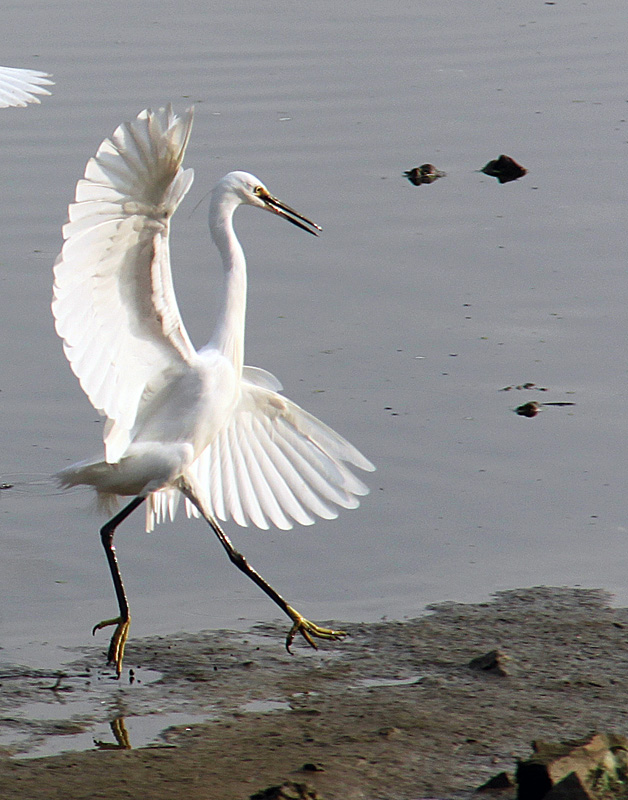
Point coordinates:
pixel 21 86
pixel 114 301
pixel 274 463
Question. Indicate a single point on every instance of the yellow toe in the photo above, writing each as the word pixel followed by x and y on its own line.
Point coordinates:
pixel 309 630
pixel 119 638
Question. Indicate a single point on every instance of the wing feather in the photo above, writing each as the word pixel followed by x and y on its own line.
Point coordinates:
pixel 114 301
pixel 274 462
pixel 21 86
pixel 325 476
pixel 304 496
pixel 279 475
pixel 217 477
pixel 267 483
pixel 225 468
pixel 245 486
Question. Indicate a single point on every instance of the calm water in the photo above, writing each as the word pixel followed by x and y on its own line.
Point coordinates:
pixel 398 326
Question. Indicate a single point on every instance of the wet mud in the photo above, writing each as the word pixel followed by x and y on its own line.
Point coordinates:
pixel 431 707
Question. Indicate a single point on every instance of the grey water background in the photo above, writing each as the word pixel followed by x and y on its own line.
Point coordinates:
pixel 398 326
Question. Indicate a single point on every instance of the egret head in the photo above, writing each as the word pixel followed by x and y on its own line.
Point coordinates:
pixel 246 188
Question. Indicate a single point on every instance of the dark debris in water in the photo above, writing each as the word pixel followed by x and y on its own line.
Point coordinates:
pixel 532 408
pixel 505 169
pixel 426 173
pixel 527 385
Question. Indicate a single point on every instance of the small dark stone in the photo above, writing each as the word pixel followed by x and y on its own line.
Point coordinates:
pixel 504 168
pixel 530 409
pixel 426 173
pixel 493 662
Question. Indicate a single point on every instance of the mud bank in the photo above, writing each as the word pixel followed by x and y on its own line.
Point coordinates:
pixel 394 712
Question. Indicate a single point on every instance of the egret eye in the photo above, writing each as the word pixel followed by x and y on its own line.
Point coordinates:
pixel 259 191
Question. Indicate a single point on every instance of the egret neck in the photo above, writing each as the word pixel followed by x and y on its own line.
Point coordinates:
pixel 228 336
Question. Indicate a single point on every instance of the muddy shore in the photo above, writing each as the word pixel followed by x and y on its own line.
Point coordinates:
pixel 394 712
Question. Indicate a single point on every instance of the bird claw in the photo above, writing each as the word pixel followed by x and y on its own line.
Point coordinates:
pixel 308 630
pixel 115 655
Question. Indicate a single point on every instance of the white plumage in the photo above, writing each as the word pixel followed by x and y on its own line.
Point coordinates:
pixel 178 420
pixel 21 86
pixel 255 456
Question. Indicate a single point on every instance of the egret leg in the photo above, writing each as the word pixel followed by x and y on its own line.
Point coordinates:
pixel 123 622
pixel 121 735
pixel 300 624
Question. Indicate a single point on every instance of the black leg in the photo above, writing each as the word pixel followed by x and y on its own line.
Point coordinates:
pixel 123 622
pixel 300 624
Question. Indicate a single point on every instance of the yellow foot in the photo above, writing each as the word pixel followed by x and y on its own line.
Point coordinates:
pixel 118 640
pixel 308 629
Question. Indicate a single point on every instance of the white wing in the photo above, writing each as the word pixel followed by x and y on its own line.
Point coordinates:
pixel 114 301
pixel 20 86
pixel 274 463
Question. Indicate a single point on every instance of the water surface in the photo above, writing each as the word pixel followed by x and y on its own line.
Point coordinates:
pixel 398 326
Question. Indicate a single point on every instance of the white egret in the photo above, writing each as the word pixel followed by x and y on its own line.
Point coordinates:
pixel 181 421
pixel 21 86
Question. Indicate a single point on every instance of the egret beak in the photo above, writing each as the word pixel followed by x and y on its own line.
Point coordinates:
pixel 282 210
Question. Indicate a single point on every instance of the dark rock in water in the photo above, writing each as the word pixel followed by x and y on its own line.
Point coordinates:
pixel 493 662
pixel 530 409
pixel 426 173
pixel 504 168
